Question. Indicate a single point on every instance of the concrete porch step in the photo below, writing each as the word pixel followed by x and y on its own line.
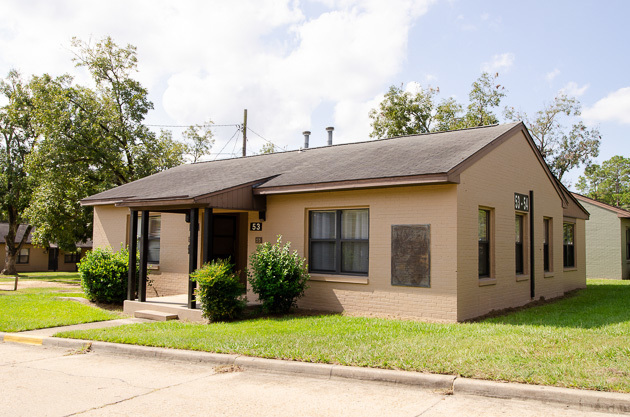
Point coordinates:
pixel 155 315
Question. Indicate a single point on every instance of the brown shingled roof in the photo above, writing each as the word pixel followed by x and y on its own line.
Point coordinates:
pixel 402 157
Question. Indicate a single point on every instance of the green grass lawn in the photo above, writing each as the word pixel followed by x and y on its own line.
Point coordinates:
pixel 36 308
pixel 65 277
pixel 582 341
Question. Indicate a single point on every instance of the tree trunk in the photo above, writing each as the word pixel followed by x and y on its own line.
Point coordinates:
pixel 9 262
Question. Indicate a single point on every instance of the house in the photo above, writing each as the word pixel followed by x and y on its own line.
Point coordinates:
pixel 444 226
pixel 36 259
pixel 607 240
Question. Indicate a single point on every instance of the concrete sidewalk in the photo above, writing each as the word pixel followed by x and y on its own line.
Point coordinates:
pixel 583 399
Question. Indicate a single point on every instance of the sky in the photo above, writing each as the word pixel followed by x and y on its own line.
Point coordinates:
pixel 307 65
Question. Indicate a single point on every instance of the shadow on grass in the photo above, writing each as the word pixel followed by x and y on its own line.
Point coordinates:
pixel 599 305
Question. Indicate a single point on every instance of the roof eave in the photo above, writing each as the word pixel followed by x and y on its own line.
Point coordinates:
pixel 441 178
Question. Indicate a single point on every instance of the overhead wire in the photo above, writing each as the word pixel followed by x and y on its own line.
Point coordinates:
pixel 226 143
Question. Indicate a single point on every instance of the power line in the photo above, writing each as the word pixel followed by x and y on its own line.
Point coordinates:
pixel 202 125
pixel 267 140
pixel 226 143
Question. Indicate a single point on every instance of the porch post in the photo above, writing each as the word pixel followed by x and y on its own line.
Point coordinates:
pixel 133 248
pixel 192 254
pixel 207 235
pixel 144 255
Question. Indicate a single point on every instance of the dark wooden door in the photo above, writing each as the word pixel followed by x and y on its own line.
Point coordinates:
pixel 53 259
pixel 224 239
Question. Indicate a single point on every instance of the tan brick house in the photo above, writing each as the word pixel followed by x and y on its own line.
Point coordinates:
pixel 444 226
pixel 607 240
pixel 37 259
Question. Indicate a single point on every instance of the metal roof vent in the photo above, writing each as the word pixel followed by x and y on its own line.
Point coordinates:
pixel 330 130
pixel 306 134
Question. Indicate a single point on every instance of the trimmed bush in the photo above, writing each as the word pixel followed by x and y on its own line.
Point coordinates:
pixel 278 276
pixel 219 290
pixel 104 275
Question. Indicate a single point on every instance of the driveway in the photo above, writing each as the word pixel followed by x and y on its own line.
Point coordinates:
pixel 51 381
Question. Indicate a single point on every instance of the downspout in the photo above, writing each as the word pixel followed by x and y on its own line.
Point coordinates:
pixel 532 281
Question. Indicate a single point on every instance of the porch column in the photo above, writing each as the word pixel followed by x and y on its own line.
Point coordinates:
pixel 144 255
pixel 207 235
pixel 192 254
pixel 133 248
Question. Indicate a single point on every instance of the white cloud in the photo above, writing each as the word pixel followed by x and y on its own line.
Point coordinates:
pixel 499 63
pixel 550 76
pixel 574 90
pixel 211 59
pixel 614 107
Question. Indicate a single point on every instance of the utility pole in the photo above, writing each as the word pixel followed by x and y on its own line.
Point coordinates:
pixel 244 132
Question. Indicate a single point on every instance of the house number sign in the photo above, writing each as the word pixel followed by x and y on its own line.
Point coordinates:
pixel 521 202
pixel 255 226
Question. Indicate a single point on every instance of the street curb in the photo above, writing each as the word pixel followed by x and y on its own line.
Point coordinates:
pixel 584 399
pixel 612 402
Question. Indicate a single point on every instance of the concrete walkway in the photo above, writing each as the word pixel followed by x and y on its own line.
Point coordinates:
pixel 583 399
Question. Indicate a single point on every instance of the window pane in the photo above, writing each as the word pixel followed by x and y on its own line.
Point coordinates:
pixel 323 224
pixel 323 256
pixel 484 259
pixel 546 231
pixel 354 257
pixel 354 224
pixel 519 229
pixel 483 225
pixel 154 251
pixel 568 234
pixel 155 226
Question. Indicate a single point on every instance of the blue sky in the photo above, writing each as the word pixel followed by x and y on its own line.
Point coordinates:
pixel 306 65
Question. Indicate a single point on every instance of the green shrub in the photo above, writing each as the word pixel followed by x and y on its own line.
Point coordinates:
pixel 278 276
pixel 104 275
pixel 219 290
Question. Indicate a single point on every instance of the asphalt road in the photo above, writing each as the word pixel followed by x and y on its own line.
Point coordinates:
pixel 50 381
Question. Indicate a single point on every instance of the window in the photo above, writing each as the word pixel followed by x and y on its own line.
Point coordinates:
pixel 23 256
pixel 155 228
pixel 546 241
pixel 72 258
pixel 339 241
pixel 519 244
pixel 628 243
pixel 569 245
pixel 484 243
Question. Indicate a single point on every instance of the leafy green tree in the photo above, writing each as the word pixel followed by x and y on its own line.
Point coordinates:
pixel 268 148
pixel 19 135
pixel 199 140
pixel 563 148
pixel 404 113
pixel 485 95
pixel 93 139
pixel 609 183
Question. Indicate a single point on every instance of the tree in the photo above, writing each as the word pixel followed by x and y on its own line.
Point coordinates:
pixel 484 95
pixel 562 149
pixel 404 113
pixel 19 135
pixel 93 139
pixel 199 140
pixel 609 183
pixel 268 148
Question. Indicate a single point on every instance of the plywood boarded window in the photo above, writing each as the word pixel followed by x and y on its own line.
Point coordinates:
pixel 411 257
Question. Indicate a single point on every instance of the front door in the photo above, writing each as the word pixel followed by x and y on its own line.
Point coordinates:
pixel 53 259
pixel 224 239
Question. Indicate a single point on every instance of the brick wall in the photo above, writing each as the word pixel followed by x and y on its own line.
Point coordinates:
pixel 604 243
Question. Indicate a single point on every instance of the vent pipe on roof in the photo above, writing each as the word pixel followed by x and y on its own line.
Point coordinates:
pixel 330 130
pixel 306 134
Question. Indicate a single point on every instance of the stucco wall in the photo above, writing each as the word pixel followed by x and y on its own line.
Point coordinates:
pixel 603 240
pixel 374 294
pixel 511 167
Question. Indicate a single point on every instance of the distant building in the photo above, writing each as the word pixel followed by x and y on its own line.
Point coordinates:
pixel 607 240
pixel 34 259
pixel 444 226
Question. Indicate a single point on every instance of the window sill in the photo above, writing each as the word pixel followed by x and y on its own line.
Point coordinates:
pixel 487 281
pixel 339 278
pixel 548 274
pixel 153 267
pixel 522 277
pixel 573 268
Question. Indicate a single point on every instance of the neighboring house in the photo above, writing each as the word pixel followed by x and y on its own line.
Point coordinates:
pixel 443 226
pixel 35 259
pixel 607 240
